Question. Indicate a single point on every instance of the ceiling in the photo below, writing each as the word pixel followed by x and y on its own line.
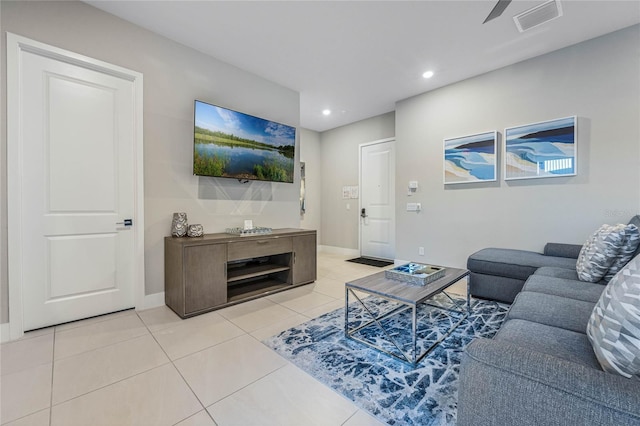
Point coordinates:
pixel 358 58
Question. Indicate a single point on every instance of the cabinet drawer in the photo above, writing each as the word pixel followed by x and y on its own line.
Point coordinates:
pixel 256 248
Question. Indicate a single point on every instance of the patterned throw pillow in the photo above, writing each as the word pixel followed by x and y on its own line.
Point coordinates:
pixel 614 325
pixel 629 246
pixel 599 252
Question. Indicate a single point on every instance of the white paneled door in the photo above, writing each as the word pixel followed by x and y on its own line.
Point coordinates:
pixel 377 204
pixel 74 243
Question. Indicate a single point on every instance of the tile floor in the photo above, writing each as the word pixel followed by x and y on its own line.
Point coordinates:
pixel 152 368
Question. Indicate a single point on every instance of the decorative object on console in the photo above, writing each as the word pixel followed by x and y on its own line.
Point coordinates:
pixel 614 325
pixel 179 225
pixel 256 230
pixel 600 252
pixel 415 273
pixel 539 150
pixel 195 231
pixel 470 159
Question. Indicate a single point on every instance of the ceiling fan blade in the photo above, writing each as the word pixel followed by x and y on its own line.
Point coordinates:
pixel 497 10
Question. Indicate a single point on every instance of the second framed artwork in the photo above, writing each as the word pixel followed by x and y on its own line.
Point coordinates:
pixel 541 150
pixel 471 159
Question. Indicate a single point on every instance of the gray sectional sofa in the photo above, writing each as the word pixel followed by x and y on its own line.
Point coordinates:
pixel 540 368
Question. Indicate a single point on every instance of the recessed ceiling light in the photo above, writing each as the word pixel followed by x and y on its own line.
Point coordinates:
pixel 326 112
pixel 428 74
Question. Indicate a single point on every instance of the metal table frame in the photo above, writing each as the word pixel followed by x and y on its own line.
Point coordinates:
pixel 411 357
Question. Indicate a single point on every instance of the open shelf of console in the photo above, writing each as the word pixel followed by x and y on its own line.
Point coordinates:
pixel 244 273
pixel 255 288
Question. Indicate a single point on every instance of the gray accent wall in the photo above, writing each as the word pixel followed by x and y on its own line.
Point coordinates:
pixel 340 159
pixel 597 80
pixel 174 76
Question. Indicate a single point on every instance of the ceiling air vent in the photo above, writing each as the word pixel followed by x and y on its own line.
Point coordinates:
pixel 538 15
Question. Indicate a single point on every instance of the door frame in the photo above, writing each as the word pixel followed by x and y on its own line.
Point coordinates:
pixel 16 45
pixel 360 146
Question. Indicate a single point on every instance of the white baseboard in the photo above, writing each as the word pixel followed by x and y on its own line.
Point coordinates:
pixel 398 262
pixel 339 250
pixel 5 332
pixel 151 301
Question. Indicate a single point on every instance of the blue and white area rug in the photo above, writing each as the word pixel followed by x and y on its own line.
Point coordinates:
pixel 393 391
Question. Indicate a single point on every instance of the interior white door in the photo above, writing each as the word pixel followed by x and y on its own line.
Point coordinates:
pixel 377 200
pixel 76 167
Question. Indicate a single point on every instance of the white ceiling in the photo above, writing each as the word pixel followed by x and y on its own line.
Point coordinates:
pixel 358 58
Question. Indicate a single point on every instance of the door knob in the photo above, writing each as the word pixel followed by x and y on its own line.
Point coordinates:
pixel 126 222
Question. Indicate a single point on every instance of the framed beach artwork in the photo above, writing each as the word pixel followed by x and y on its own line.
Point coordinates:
pixel 541 150
pixel 470 159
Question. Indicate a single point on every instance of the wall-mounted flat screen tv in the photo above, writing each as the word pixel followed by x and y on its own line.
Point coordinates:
pixel 231 144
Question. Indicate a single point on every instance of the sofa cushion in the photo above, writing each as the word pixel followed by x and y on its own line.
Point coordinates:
pixel 568 274
pixel 572 289
pixel 599 252
pixel 505 384
pixel 629 245
pixel 552 271
pixel 518 264
pixel 566 344
pixel 555 311
pixel 562 250
pixel 614 326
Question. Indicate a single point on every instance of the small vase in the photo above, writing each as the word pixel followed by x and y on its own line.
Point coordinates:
pixel 195 231
pixel 179 225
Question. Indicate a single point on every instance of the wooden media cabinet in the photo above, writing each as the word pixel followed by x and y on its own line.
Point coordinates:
pixel 217 270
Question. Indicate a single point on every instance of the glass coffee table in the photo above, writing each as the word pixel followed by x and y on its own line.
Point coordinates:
pixel 403 297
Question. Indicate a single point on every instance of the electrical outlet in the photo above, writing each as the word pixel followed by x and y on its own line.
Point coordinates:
pixel 421 251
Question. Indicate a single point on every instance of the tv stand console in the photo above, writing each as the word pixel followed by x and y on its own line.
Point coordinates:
pixel 218 270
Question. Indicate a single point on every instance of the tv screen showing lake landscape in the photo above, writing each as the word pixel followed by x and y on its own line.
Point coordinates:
pixel 231 144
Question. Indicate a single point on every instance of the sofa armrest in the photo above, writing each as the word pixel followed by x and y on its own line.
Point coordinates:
pixel 571 251
pixel 504 384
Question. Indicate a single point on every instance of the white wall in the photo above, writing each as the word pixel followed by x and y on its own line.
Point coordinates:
pixel 310 153
pixel 597 80
pixel 340 151
pixel 174 76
